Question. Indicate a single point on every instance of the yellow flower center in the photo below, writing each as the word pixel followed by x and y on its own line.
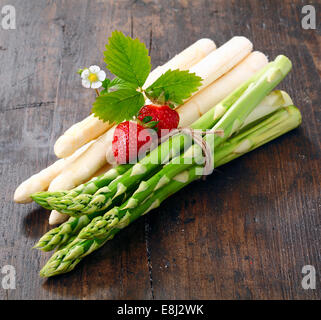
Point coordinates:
pixel 93 77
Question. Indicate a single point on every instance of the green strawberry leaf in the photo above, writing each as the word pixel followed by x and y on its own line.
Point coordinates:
pixel 173 87
pixel 127 58
pixel 115 84
pixel 119 105
pixel 118 83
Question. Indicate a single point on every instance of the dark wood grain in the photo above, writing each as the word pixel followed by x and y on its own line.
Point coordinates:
pixel 244 233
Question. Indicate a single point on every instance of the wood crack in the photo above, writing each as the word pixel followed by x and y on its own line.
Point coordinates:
pixel 148 254
pixel 150 41
pixel 30 105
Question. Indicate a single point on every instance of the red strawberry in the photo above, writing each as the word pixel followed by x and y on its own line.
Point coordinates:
pixel 166 117
pixel 131 138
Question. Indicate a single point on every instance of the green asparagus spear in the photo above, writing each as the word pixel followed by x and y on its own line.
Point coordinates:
pixel 254 91
pixel 61 234
pixel 89 187
pixel 248 139
pixel 42 200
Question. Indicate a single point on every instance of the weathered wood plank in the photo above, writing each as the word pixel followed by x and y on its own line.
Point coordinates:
pixel 244 233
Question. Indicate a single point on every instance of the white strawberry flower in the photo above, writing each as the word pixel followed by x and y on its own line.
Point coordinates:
pixel 93 77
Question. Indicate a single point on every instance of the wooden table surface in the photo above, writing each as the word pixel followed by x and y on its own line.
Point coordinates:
pixel 244 233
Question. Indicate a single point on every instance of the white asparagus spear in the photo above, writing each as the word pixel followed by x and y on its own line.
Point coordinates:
pixel 41 180
pixel 220 61
pixel 215 92
pixel 57 217
pixel 79 134
pixel 91 127
pixel 38 182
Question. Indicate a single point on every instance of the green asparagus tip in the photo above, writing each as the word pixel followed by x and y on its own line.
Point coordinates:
pixel 42 197
pixel 40 201
pixel 51 268
pixel 46 273
pixel 41 247
pixel 56 267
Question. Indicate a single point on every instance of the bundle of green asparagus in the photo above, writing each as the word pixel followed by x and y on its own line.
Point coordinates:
pixel 214 105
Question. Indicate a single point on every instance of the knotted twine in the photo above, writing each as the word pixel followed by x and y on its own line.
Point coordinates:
pixel 198 139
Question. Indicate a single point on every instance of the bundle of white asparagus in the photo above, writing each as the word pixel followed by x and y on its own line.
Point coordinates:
pixel 83 147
